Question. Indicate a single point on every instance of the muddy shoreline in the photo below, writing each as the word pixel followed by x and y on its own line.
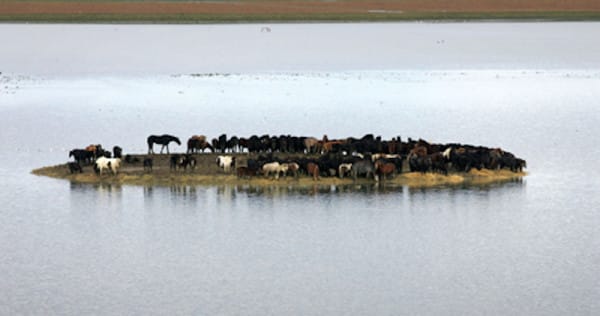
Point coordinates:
pixel 209 174
pixel 290 10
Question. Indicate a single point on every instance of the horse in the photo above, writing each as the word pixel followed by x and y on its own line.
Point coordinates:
pixel 104 153
pixel 81 155
pixel 174 161
pixel 117 152
pixel 187 161
pixel 220 144
pixel 198 143
pixel 313 170
pixel 514 164
pixel 245 172
pixel 233 144
pixel 163 140
pixel 225 162
pixel 329 145
pixel 385 169
pixel 292 168
pixel 103 163
pixel 148 164
pixel 311 144
pixel 363 167
pixel 96 151
pixel 438 162
pixel 344 169
pixel 74 167
pixel 131 159
pixel 495 155
pixel 418 163
pixel 275 168
pixel 464 159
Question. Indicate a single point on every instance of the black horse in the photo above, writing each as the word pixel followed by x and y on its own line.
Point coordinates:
pixel 74 167
pixel 81 155
pixel 117 152
pixel 163 140
pixel 148 164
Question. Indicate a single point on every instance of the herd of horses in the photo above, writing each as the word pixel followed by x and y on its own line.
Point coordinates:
pixel 369 156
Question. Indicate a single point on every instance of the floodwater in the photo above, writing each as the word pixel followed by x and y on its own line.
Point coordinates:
pixel 529 247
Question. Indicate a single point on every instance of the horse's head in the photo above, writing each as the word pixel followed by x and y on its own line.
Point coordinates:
pixel 177 140
pixel 522 163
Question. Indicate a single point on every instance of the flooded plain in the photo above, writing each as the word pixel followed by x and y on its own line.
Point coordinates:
pixel 523 247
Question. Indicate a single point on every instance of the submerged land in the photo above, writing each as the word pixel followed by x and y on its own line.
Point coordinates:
pixel 153 11
pixel 207 172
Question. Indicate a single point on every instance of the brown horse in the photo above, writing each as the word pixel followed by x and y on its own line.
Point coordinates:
pixel 292 168
pixel 245 172
pixel 419 151
pixel 438 163
pixel 328 146
pixel 198 143
pixel 385 169
pixel 313 170
pixel 93 150
pixel 310 143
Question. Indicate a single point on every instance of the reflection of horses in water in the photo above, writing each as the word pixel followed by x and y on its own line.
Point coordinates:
pixel 163 140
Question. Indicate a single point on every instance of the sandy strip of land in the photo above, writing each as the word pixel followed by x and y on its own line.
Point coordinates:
pixel 164 177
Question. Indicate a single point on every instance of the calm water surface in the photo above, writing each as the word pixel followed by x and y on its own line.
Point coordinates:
pixel 526 247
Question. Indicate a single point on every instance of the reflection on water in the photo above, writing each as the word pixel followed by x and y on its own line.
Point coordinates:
pixel 230 192
pixel 102 188
pixel 183 191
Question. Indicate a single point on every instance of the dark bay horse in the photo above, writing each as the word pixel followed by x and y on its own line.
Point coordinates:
pixel 163 140
pixel 198 143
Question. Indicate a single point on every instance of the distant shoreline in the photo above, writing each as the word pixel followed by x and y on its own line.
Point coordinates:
pixel 270 11
pixel 210 19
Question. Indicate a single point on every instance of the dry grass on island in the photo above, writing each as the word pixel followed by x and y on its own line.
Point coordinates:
pixel 154 11
pixel 208 173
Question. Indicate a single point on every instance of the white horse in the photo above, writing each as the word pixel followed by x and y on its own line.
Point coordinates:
pixel 103 163
pixel 274 167
pixel 225 162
